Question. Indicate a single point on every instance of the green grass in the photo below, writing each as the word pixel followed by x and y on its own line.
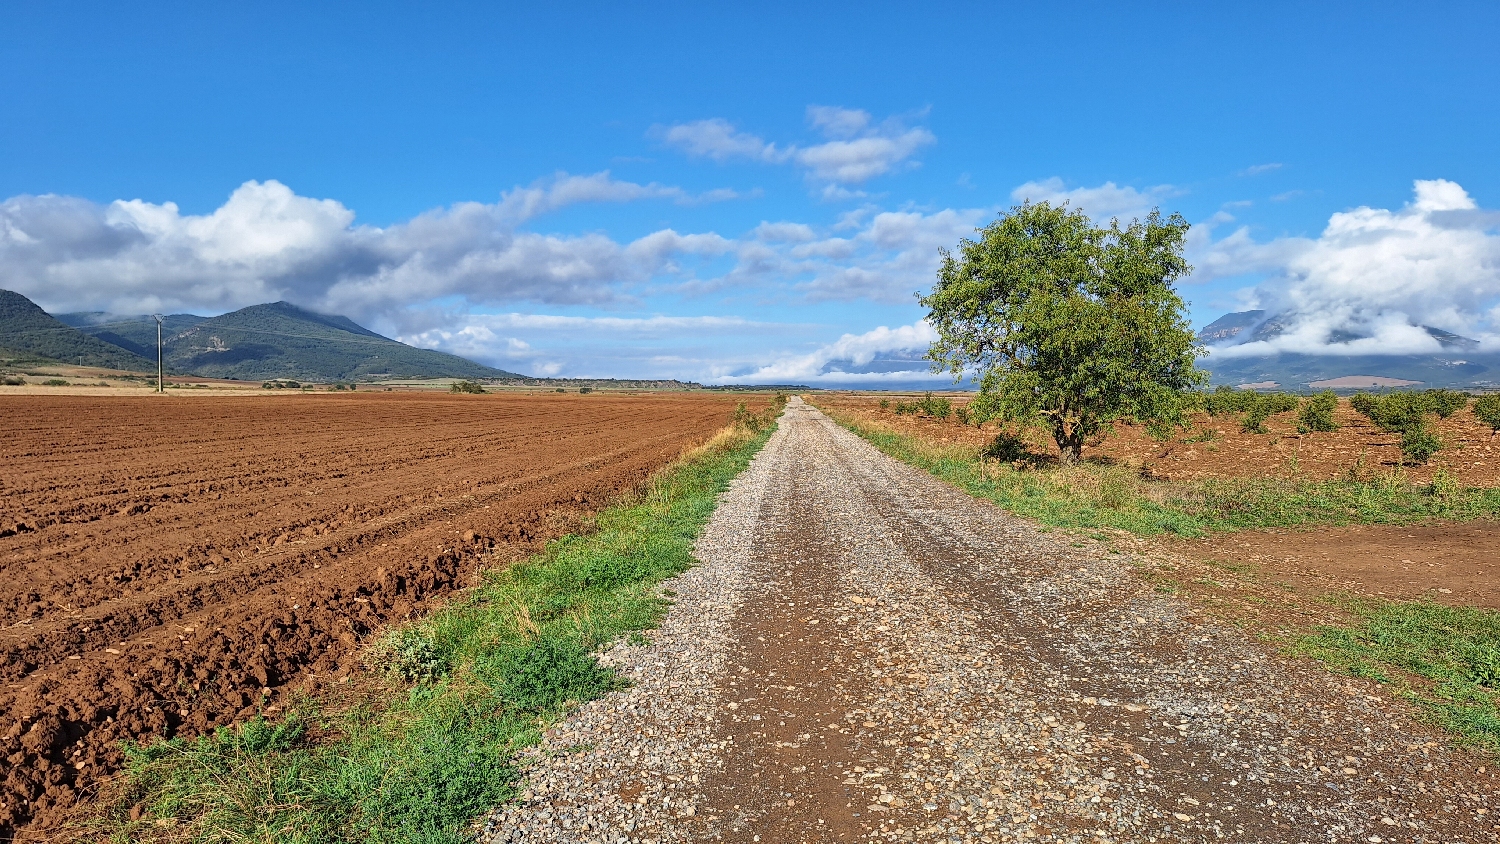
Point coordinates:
pixel 1444 659
pixel 468 687
pixel 1091 496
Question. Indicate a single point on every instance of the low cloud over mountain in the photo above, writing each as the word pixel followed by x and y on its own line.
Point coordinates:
pixel 1375 282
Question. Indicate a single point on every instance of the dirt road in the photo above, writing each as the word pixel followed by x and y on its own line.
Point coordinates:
pixel 868 655
pixel 170 564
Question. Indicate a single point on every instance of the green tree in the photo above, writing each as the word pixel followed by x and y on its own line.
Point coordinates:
pixel 1067 325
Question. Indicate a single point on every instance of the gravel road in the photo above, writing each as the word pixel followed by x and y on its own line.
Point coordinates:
pixel 866 654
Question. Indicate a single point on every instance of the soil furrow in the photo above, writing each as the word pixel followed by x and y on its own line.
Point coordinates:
pixel 240 548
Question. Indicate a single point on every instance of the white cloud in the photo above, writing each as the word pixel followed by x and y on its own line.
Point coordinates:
pixel 783 232
pixel 856 148
pixel 546 195
pixel 267 243
pixel 1257 169
pixel 1103 203
pixel 842 360
pixel 889 256
pixel 717 138
pixel 1373 275
pixel 896 255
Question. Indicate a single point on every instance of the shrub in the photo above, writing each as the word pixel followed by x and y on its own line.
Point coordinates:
pixel 1396 412
pixel 1007 448
pixel 755 422
pixel 560 390
pixel 961 413
pixel 1263 407
pixel 1486 410
pixel 1227 400
pixel 583 391
pixel 1317 413
pixel 885 404
pixel 1419 443
pixel 938 408
pixel 1406 414
pixel 466 387
pixel 54 382
pixel 1445 403
pixel 12 381
pixel 1364 403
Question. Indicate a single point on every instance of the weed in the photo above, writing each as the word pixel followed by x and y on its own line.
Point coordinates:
pixel 885 404
pixel 755 422
pixel 1445 485
pixel 1445 659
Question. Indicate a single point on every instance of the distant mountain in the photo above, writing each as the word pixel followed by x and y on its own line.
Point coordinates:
pixel 28 331
pixel 1229 326
pixel 1460 364
pixel 281 340
pixel 134 334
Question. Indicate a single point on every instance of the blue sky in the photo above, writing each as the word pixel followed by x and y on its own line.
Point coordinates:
pixel 750 192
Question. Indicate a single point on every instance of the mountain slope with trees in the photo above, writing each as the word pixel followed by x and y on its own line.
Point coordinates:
pixel 281 340
pixel 28 332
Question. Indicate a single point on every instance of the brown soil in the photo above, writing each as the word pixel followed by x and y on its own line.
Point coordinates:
pixel 1450 563
pixel 172 564
pixel 1470 451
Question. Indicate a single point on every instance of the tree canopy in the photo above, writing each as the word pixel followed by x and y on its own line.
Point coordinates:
pixel 1068 325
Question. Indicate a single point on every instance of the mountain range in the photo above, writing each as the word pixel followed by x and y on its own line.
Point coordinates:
pixel 1459 364
pixel 277 340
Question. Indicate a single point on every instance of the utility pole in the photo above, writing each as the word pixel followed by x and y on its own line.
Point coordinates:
pixel 159 384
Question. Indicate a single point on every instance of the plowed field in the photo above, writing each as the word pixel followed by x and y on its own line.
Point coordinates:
pixel 169 564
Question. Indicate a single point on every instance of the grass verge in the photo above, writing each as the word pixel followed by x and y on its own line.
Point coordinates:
pixel 1090 495
pixel 1444 659
pixel 468 687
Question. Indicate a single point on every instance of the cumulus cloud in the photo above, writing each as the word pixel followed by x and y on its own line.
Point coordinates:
pixel 1104 202
pixel 886 257
pixel 852 359
pixel 1373 276
pixel 267 243
pixel 855 148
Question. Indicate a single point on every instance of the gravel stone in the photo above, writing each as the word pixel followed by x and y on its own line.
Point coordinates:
pixel 866 654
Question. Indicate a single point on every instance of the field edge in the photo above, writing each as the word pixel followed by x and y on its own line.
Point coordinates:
pixel 466 688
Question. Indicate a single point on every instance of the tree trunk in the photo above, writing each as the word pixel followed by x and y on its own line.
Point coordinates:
pixel 1070 443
